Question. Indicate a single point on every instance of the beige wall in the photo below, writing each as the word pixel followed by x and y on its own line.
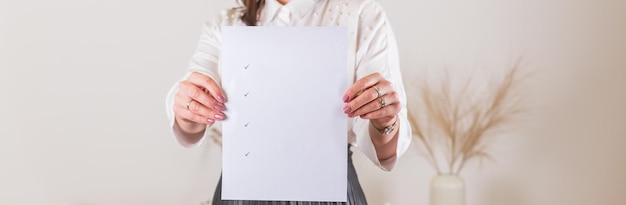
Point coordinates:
pixel 82 85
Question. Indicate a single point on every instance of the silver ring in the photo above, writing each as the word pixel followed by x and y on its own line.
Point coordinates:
pixel 377 91
pixel 383 103
pixel 188 103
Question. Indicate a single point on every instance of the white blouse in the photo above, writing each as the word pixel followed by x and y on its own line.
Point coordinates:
pixel 372 49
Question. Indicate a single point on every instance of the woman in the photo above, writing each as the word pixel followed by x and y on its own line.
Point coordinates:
pixel 374 103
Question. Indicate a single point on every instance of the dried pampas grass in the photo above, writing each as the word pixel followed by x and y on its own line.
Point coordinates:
pixel 453 125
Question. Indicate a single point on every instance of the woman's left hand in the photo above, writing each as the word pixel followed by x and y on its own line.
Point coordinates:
pixel 372 97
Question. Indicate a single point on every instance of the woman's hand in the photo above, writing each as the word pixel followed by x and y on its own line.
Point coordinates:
pixel 199 101
pixel 372 97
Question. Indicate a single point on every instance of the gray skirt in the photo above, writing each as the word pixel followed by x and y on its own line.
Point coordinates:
pixel 355 193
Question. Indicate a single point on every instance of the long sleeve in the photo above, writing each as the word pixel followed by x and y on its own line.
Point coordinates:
pixel 205 60
pixel 377 51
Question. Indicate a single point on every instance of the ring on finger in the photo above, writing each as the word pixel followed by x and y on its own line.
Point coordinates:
pixel 188 103
pixel 383 103
pixel 377 91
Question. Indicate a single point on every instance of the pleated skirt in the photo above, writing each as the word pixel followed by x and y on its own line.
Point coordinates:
pixel 355 193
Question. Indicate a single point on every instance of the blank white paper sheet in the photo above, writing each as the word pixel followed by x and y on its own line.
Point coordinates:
pixel 285 137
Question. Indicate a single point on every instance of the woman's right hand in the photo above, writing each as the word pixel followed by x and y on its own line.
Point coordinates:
pixel 199 101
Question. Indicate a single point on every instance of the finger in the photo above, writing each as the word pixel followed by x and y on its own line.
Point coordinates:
pixel 367 96
pixel 382 123
pixel 191 91
pixel 360 85
pixel 187 115
pixel 377 104
pixel 387 111
pixel 199 109
pixel 209 84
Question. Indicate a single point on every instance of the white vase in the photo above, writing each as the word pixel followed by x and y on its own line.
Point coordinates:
pixel 447 190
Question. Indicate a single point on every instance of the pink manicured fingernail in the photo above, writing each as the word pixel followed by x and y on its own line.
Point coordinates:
pixel 362 116
pixel 346 98
pixel 219 116
pixel 220 99
pixel 347 109
pixel 211 121
pixel 219 108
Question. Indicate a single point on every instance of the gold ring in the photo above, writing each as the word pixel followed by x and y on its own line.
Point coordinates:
pixel 377 91
pixel 382 103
